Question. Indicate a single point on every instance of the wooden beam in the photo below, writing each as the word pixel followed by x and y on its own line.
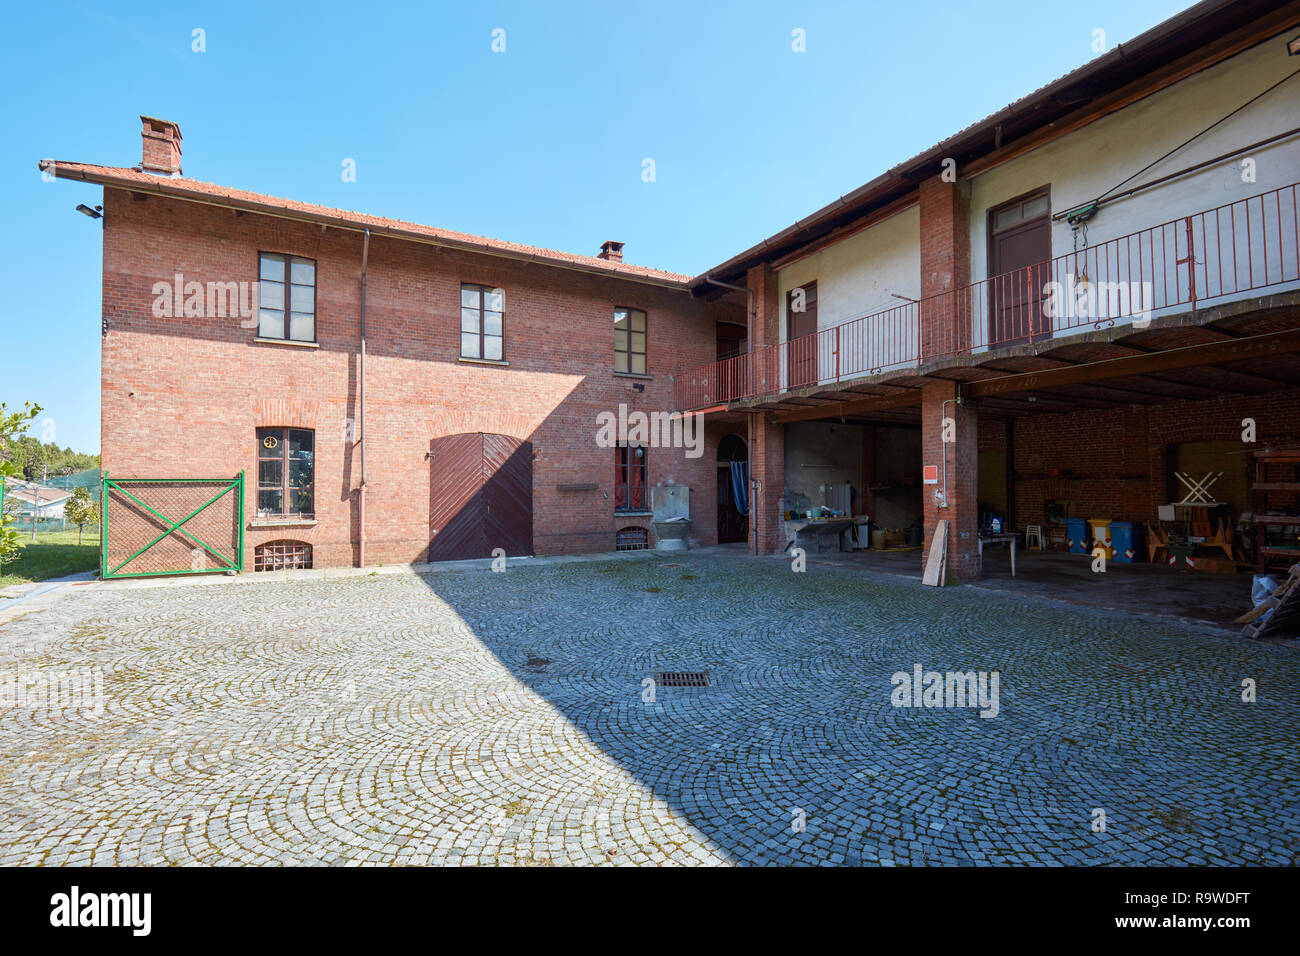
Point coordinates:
pixel 1176 381
pixel 857 406
pixel 1190 356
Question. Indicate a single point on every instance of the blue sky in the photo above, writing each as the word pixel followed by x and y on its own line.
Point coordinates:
pixel 540 144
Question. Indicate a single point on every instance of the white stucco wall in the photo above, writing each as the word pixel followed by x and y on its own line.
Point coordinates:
pixel 857 277
pixel 1081 165
pixel 817 454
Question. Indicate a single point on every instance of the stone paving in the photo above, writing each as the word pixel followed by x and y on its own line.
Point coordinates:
pixel 471 717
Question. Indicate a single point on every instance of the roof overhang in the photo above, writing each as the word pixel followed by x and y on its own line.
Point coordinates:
pixel 171 188
pixel 1190 42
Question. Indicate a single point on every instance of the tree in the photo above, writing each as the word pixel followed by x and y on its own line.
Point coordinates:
pixel 12 425
pixel 81 510
pixel 35 459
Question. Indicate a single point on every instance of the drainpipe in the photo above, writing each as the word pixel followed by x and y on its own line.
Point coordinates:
pixel 361 416
pixel 755 486
pixel 943 445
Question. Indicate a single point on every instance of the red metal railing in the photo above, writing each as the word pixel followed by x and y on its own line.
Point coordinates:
pixel 1212 255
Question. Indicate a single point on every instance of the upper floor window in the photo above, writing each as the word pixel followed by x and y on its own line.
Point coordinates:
pixel 482 322
pixel 286 294
pixel 285 471
pixel 1024 209
pixel 629 341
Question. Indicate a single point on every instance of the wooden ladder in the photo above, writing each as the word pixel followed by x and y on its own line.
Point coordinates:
pixel 1282 602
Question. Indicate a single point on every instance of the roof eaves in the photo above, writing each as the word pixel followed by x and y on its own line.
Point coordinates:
pixel 136 180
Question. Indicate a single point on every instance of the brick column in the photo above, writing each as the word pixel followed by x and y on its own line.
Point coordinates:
pixel 962 512
pixel 767 451
pixel 945 266
pixel 767 466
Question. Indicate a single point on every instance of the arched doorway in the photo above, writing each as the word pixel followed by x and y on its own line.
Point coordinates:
pixel 733 490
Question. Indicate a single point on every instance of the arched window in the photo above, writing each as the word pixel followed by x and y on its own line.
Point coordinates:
pixel 732 448
pixel 281 555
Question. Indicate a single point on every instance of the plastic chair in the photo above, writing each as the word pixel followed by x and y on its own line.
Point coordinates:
pixel 1034 537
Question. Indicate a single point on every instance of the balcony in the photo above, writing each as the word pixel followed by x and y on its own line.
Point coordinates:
pixel 1210 257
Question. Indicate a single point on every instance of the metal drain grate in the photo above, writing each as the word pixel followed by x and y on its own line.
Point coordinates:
pixel 682 679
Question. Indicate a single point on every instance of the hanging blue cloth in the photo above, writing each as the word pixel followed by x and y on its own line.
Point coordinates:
pixel 740 485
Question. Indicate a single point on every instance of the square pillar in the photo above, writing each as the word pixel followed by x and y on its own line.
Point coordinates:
pixel 761 280
pixel 767 467
pixel 938 402
pixel 945 267
pixel 767 451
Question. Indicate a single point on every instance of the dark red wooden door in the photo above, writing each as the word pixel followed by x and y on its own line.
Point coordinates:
pixel 456 498
pixel 1017 292
pixel 802 328
pixel 480 496
pixel 1020 243
pixel 508 494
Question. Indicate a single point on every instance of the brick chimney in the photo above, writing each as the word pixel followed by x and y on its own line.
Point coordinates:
pixel 162 147
pixel 613 251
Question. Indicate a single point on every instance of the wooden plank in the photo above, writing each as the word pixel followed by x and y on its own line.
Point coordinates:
pixel 853 407
pixel 1255 612
pixel 937 561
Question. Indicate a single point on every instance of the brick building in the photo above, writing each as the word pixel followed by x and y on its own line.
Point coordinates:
pixel 212 395
pixel 1154 189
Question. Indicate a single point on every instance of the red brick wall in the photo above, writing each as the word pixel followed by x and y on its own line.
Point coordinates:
pixel 767 464
pixel 1113 462
pixel 961 513
pixel 945 264
pixel 184 396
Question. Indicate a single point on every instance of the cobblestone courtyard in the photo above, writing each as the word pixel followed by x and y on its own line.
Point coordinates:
pixel 470 717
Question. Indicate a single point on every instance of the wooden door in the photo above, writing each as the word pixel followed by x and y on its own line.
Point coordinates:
pixel 1020 245
pixel 508 494
pixel 802 334
pixel 480 496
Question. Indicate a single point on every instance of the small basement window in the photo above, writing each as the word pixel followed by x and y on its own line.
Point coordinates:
pixel 282 555
pixel 632 539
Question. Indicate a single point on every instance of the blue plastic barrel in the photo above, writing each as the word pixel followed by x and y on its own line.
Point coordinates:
pixel 1125 539
pixel 1076 535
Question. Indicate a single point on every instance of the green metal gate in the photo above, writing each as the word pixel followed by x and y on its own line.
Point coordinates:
pixel 154 526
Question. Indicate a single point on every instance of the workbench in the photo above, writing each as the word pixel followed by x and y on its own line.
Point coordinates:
pixel 821 527
pixel 1008 537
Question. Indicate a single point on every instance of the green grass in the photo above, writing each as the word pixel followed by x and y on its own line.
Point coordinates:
pixel 53 554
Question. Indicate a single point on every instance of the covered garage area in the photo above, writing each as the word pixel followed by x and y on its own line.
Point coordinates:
pixel 1095 427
